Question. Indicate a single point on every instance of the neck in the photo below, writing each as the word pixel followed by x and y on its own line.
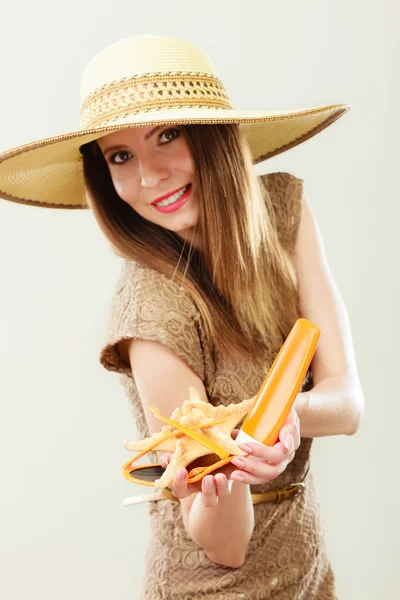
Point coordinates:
pixel 190 237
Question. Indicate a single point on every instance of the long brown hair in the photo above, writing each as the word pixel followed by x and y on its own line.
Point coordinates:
pixel 241 279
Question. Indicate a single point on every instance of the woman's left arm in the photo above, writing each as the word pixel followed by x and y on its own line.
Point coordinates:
pixel 335 404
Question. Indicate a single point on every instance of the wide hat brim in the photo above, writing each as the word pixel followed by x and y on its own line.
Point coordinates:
pixel 49 172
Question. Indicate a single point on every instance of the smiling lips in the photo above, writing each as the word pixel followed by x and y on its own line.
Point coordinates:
pixel 173 201
pixel 161 198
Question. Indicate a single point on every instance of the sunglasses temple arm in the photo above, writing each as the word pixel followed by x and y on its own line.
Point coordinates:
pixel 127 466
pixel 221 452
pixel 140 499
pixel 169 435
pixel 199 472
pixel 146 450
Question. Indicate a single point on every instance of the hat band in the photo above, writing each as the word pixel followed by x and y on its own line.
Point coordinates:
pixel 154 91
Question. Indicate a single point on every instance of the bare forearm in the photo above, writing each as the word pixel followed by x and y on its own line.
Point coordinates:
pixel 224 531
pixel 332 407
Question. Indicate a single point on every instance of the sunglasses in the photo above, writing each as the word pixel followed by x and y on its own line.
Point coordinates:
pixel 147 474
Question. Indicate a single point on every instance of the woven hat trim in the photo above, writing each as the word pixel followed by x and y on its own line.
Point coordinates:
pixel 160 91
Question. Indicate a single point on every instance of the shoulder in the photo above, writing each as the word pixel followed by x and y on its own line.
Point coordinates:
pixel 150 292
pixel 283 188
pixel 148 305
pixel 286 194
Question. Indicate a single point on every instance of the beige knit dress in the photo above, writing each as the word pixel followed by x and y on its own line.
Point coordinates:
pixel 286 557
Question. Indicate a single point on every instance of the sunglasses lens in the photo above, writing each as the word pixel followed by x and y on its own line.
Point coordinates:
pixel 148 473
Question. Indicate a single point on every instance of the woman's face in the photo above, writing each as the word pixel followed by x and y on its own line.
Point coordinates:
pixel 153 171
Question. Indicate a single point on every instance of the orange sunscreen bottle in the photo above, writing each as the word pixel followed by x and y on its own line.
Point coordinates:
pixel 278 392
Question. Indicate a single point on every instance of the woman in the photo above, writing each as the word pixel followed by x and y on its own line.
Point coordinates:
pixel 219 263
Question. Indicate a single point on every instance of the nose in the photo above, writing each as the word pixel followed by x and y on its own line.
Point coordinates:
pixel 151 173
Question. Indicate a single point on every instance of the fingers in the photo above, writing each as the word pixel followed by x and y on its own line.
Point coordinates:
pixel 212 487
pixel 271 454
pixel 265 463
pixel 290 432
pixel 256 472
pixel 223 486
pixel 165 458
pixel 180 487
pixel 209 492
pixel 262 464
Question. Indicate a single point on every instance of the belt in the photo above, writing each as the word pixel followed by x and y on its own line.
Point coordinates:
pixel 276 495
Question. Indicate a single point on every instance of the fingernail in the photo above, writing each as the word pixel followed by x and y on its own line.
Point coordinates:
pixel 236 476
pixel 181 473
pixel 246 448
pixel 208 482
pixel 289 441
pixel 238 462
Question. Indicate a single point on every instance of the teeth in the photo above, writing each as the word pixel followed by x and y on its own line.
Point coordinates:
pixel 173 198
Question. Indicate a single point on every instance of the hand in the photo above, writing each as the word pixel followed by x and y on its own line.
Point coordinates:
pixel 274 459
pixel 254 471
pixel 212 487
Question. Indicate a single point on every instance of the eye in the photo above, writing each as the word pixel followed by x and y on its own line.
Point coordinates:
pixel 119 162
pixel 170 134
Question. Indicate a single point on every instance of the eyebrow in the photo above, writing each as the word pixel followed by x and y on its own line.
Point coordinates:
pixel 120 146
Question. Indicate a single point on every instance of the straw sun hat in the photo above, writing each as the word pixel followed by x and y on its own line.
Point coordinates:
pixel 141 81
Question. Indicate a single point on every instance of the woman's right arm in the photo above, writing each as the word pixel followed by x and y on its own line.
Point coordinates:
pixel 163 380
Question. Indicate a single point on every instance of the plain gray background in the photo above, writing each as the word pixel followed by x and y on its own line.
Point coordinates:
pixel 64 530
